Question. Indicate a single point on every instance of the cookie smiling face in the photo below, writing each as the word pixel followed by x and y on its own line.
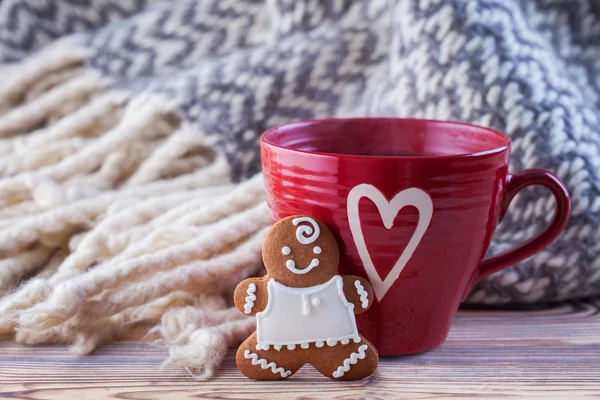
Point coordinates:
pixel 300 251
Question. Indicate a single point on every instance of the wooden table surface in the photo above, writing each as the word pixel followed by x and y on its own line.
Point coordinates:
pixel 547 353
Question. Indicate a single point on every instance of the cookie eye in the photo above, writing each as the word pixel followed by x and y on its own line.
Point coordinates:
pixel 317 250
pixel 286 251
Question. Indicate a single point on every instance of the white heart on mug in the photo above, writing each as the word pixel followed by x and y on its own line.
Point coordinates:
pixel 388 211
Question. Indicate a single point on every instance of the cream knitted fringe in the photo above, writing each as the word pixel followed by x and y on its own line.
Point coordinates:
pixel 116 218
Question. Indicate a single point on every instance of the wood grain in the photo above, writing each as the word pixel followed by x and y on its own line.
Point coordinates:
pixel 545 354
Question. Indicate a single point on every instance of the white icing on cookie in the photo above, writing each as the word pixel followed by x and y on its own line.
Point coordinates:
pixel 305 305
pixel 345 341
pixel 317 314
pixel 353 359
pixel 364 296
pixel 264 364
pixel 277 347
pixel 306 234
pixel 305 345
pixel 262 346
pixel 291 346
pixel 250 298
pixel 291 265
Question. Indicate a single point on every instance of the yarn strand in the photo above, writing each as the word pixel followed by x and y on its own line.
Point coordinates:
pixel 117 219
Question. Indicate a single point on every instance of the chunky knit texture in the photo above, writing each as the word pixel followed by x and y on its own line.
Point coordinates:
pixel 130 184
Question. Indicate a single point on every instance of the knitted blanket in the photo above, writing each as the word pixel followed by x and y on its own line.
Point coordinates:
pixel 130 191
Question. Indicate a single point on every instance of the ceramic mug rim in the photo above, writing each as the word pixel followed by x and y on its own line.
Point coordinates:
pixel 266 138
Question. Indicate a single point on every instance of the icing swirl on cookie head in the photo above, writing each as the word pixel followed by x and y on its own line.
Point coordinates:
pixel 306 234
pixel 300 246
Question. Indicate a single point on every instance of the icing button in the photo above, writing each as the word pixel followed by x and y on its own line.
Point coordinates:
pixel 291 346
pixel 305 345
pixel 315 301
pixel 319 343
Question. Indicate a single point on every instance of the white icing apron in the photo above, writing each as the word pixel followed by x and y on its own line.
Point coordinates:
pixel 305 315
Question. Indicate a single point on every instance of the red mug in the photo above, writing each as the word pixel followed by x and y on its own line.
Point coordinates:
pixel 413 203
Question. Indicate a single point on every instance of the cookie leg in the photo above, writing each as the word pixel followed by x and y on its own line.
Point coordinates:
pixel 346 361
pixel 269 364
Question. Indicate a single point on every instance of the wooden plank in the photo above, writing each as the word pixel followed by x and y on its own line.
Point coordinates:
pixel 548 353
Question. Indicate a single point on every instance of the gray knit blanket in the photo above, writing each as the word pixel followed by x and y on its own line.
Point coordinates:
pixel 527 68
pixel 125 84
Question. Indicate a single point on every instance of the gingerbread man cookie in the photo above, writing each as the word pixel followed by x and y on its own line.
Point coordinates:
pixel 304 310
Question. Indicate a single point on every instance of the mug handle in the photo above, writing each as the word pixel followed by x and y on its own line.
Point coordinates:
pixel 515 183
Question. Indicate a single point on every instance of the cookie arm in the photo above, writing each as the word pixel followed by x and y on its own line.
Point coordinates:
pixel 250 296
pixel 359 292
